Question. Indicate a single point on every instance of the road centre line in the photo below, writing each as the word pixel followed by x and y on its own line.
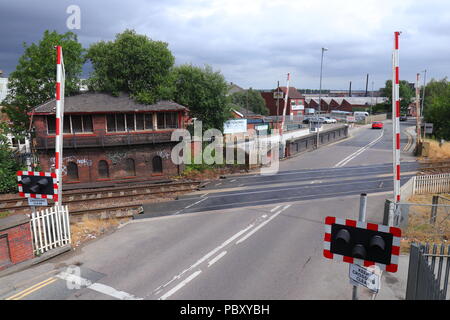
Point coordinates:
pixel 32 289
pixel 358 152
pixel 262 224
pixel 180 285
pixel 193 204
pixel 107 290
pixel 207 256
pixel 274 209
pixel 216 258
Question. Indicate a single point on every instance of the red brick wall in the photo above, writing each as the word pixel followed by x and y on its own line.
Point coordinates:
pixel 87 160
pixel 15 245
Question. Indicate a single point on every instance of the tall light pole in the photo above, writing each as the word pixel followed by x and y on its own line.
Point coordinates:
pixel 320 95
pixel 423 97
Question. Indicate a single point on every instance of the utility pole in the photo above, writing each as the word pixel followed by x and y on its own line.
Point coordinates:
pixel 278 99
pixel 371 99
pixel 367 84
pixel 423 96
pixel 418 112
pixel 320 96
pixel 284 113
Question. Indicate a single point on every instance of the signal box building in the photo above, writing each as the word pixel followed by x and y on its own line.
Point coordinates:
pixel 295 104
pixel 109 138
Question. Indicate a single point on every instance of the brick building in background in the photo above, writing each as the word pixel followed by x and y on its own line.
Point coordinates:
pixel 109 138
pixel 295 105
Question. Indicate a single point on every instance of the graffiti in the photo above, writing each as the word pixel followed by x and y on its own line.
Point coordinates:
pixel 80 162
pixel 163 154
pixel 116 156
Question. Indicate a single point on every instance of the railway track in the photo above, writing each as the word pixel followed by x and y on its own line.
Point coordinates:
pixel 19 204
pixel 435 166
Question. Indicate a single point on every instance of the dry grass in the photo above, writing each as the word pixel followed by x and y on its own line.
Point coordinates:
pixel 438 152
pixel 419 228
pixel 90 228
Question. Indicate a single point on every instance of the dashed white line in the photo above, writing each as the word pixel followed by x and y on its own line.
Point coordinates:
pixel 206 256
pixel 262 225
pixel 180 285
pixel 193 204
pixel 204 195
pixel 274 209
pixel 215 259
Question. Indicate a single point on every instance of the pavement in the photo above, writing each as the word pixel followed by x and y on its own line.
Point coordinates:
pixel 244 237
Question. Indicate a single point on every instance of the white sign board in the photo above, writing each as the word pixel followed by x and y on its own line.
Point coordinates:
pixel 35 202
pixel 235 126
pixel 262 127
pixel 297 107
pixel 278 95
pixel 366 277
pixel 351 119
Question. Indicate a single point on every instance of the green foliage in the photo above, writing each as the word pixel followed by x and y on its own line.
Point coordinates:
pixel 203 91
pixel 8 163
pixel 33 81
pixel 437 107
pixel 134 64
pixel 405 91
pixel 251 100
pixel 381 108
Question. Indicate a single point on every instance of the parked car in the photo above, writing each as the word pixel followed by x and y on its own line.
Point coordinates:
pixel 331 120
pixel 403 118
pixel 313 119
pixel 377 125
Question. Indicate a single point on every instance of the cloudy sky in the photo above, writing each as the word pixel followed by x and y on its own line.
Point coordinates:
pixel 255 43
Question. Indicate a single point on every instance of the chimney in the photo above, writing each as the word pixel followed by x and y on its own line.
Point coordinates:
pixel 367 83
pixel 350 90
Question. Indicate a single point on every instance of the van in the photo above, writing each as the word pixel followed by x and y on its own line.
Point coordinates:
pixel 360 114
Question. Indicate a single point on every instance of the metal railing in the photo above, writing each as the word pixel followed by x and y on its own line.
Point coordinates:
pixel 101 138
pixel 428 273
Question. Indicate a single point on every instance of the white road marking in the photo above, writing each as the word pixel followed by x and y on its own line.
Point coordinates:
pixel 218 184
pixel 264 216
pixel 262 224
pixel 214 260
pixel 193 204
pixel 204 195
pixel 274 209
pixel 358 152
pixel 233 180
pixel 180 285
pixel 110 291
pixel 207 256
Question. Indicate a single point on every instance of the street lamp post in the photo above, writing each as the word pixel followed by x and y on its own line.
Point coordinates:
pixel 320 96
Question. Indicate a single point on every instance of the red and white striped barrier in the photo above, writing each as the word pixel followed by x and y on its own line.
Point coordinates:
pixel 396 117
pixel 60 79
pixel 35 195
pixel 395 252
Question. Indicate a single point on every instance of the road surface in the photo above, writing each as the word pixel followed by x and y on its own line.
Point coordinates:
pixel 243 237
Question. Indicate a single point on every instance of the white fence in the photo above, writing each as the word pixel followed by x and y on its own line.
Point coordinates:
pixel 50 228
pixel 435 183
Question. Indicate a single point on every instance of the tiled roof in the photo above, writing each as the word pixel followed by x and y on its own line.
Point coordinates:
pixel 101 102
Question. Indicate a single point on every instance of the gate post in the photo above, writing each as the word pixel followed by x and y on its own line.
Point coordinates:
pixel 413 272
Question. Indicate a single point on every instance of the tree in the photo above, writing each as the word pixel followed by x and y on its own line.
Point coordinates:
pixel 251 100
pixel 405 91
pixel 8 162
pixel 437 107
pixel 33 81
pixel 134 64
pixel 203 91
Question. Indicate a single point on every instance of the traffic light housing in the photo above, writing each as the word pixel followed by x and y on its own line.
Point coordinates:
pixel 362 243
pixel 36 184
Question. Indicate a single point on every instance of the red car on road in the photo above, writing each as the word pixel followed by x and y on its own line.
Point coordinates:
pixel 377 125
